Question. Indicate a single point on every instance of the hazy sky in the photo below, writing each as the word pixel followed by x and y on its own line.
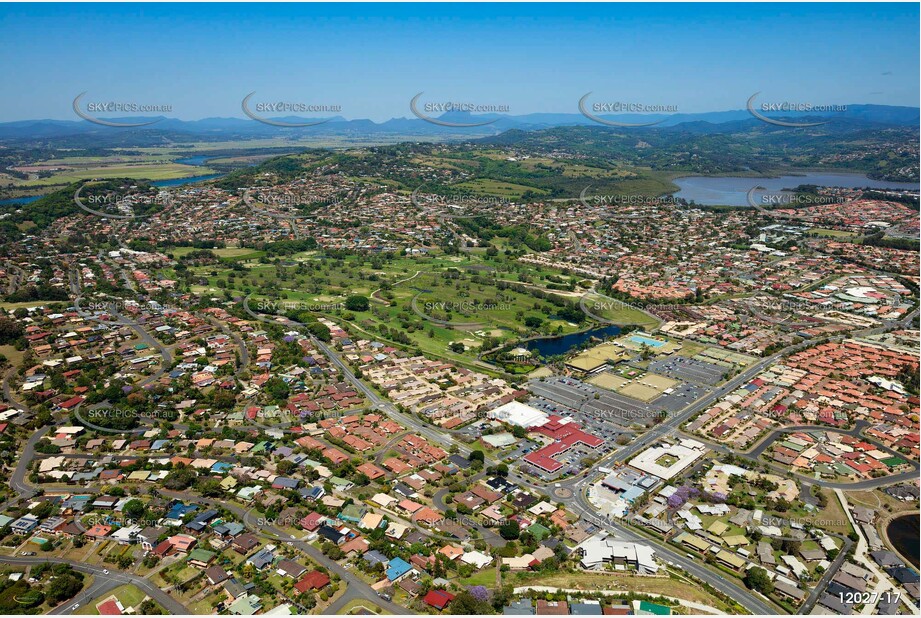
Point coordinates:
pixel 370 59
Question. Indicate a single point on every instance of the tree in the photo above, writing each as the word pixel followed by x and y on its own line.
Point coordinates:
pixel 533 321
pixel 466 603
pixel 134 509
pixel 64 587
pixel 757 579
pixel 149 608
pixel 357 302
pixel 509 530
pixel 180 478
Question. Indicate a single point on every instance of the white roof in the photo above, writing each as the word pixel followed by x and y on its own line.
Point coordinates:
pixel 478 559
pixel 520 414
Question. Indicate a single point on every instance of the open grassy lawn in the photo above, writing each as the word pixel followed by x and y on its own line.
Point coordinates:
pixel 619 313
pixel 880 501
pixel 129 595
pixel 691 348
pixel 832 517
pixel 488 186
pixel 12 355
pixel 834 233
pixel 485 577
pixel 616 581
pixel 29 303
pixel 151 171
pixel 460 290
pixel 206 605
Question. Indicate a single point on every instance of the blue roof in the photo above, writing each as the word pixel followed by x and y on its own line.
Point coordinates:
pixel 179 510
pixel 397 568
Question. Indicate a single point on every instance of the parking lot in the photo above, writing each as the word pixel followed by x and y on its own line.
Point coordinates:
pixel 680 397
pixel 620 409
pixel 566 391
pixel 688 370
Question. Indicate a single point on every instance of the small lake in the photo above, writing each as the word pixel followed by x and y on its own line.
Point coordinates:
pixel 26 199
pixel 733 190
pixel 903 533
pixel 562 345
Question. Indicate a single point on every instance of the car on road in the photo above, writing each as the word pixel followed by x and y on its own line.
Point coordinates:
pixel 74 607
pixel 105 571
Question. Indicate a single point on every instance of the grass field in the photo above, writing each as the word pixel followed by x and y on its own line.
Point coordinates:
pixel 151 171
pixel 442 287
pixel 834 233
pixel 620 313
pixel 487 186
pixel 128 594
pixel 616 581
pixel 485 577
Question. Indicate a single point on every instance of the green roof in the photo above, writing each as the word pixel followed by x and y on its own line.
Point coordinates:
pixel 201 555
pixel 894 461
pixel 539 531
pixel 655 608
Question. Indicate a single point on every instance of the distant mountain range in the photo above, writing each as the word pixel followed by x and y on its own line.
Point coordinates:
pixel 856 117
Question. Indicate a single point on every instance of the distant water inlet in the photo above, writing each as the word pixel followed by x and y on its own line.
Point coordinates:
pixel 733 190
pixel 905 535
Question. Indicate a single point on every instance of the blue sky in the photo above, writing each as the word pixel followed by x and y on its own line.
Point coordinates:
pixel 370 59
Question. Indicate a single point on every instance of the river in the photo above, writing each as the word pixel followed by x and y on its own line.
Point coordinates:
pixel 198 160
pixel 733 190
pixel 903 533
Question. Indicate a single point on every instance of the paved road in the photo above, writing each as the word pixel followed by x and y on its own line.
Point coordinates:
pixel 18 479
pixel 103 583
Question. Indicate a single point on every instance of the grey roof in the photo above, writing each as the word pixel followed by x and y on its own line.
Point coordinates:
pixel 585 609
pixel 522 607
